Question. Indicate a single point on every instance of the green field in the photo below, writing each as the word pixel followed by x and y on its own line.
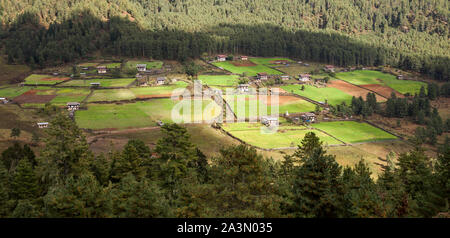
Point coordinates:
pixel 134 115
pixel 64 95
pixel 150 64
pixel 354 132
pixel 111 95
pixel 219 80
pixel 11 92
pixel 132 93
pixel 88 64
pixel 362 77
pixel 251 70
pixel 332 95
pixel 296 106
pixel 112 65
pixel 122 82
pixel 41 79
pixel 267 61
pixel 284 137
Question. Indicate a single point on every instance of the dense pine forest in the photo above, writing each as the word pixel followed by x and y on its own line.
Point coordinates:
pixel 175 179
pixel 412 35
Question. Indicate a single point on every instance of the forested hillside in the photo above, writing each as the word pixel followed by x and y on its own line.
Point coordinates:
pixel 411 34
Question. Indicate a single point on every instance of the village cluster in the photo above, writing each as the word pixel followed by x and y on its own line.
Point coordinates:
pixel 97 96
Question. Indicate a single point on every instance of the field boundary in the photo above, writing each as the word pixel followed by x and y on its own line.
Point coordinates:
pixel 368 89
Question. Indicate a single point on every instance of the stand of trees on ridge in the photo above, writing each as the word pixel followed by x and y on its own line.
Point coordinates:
pixel 176 179
pixel 412 35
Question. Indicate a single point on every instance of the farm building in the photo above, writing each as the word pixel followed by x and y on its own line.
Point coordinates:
pixel 269 121
pixel 304 77
pixel 72 106
pixel 141 67
pixel 400 77
pixel 261 76
pixel 95 85
pixel 221 57
pixel 244 57
pixel 101 69
pixel 329 68
pixel 42 124
pixel 285 77
pixel 243 88
pixel 160 80
pixel 309 117
pixel 4 100
pixel 82 75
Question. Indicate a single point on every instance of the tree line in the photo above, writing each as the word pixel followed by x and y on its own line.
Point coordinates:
pixel 175 179
pixel 27 41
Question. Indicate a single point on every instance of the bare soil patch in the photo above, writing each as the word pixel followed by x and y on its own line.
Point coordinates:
pixel 168 95
pixel 279 62
pixel 282 100
pixel 31 97
pixel 383 90
pixel 55 79
pixel 353 90
pixel 243 63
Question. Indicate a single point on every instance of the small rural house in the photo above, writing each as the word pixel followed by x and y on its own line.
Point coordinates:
pixel 329 68
pixel 82 75
pixel 4 100
pixel 243 88
pixel 221 57
pixel 269 121
pixel 400 77
pixel 95 85
pixel 101 69
pixel 244 57
pixel 73 106
pixel 309 117
pixel 141 67
pixel 42 124
pixel 160 80
pixel 285 77
pixel 304 77
pixel 261 76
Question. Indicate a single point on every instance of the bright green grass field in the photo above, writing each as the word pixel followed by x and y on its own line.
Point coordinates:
pixel 333 95
pixel 251 70
pixel 139 114
pixel 220 80
pixel 150 65
pixel 267 61
pixel 132 93
pixel 353 132
pixel 112 65
pixel 12 92
pixel 241 106
pixel 122 82
pixel 362 77
pixel 38 79
pixel 284 137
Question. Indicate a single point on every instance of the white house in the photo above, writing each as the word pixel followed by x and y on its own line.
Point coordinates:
pixel 160 80
pixel 141 67
pixel 285 77
pixel 269 121
pixel 101 69
pixel 243 88
pixel 73 106
pixel 304 77
pixel 221 57
pixel 42 124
